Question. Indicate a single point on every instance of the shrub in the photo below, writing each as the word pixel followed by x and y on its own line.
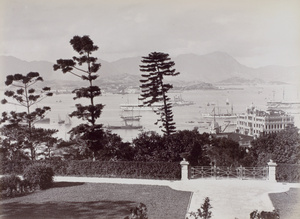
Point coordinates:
pixel 39 174
pixel 10 184
pixel 288 172
pixel 203 212
pixel 139 212
pixel 124 169
pixel 264 214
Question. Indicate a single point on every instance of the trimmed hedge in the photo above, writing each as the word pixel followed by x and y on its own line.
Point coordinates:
pixel 142 170
pixel 39 174
pixel 288 172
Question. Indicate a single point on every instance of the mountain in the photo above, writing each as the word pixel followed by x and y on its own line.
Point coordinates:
pixel 209 68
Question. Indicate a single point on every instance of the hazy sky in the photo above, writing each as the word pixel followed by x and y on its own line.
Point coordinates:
pixel 255 32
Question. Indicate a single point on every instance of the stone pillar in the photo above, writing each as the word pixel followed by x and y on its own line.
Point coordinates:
pixel 184 169
pixel 272 171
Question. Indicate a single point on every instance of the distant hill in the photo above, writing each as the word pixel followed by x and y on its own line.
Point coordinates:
pixel 214 67
pixel 239 80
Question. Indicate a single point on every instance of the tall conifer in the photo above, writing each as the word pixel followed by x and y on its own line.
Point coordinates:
pixel 156 66
pixel 85 66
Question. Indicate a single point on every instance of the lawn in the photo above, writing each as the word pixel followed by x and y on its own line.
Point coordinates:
pixel 96 200
pixel 287 203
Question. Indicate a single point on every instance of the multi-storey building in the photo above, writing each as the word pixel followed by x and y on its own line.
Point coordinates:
pixel 258 122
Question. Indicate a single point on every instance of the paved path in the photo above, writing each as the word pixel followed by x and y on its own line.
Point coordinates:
pixel 230 199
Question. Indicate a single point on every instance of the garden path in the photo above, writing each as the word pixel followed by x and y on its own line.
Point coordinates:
pixel 230 198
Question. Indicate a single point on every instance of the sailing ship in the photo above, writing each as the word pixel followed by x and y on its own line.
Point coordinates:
pixel 68 121
pixel 178 101
pixel 220 115
pixel 130 122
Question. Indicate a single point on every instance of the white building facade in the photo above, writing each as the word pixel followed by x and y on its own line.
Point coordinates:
pixel 257 122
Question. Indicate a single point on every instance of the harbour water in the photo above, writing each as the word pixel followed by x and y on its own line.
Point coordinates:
pixel 186 117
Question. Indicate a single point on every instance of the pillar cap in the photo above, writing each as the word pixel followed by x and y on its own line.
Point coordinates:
pixel 271 163
pixel 184 162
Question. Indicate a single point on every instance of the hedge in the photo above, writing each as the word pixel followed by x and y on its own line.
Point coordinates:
pixel 288 172
pixel 142 170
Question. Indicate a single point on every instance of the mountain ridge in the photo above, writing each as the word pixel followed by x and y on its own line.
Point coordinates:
pixel 210 68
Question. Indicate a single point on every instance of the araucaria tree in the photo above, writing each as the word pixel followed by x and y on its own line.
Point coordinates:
pixel 87 136
pixel 156 66
pixel 19 131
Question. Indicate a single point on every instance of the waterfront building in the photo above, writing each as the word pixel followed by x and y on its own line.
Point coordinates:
pixel 258 122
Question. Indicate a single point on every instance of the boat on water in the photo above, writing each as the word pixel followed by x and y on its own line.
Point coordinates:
pixel 68 121
pixel 128 126
pixel 215 115
pixel 178 101
pixel 283 104
pixel 220 116
pixel 43 121
pixel 130 122
pixel 60 121
pixel 140 107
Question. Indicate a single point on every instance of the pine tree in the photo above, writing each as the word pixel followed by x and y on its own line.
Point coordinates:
pixel 19 126
pixel 157 65
pixel 89 134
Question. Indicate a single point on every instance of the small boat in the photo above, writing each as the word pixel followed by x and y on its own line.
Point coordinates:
pixel 43 121
pixel 60 121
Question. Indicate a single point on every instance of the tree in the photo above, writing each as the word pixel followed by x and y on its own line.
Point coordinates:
pixel 225 152
pixel 89 134
pixel 282 147
pixel 157 65
pixel 190 143
pixel 148 146
pixel 23 93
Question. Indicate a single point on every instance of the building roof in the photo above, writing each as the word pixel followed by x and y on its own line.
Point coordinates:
pixel 234 136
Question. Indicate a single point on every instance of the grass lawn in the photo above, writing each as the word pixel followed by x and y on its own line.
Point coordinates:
pixel 94 200
pixel 288 203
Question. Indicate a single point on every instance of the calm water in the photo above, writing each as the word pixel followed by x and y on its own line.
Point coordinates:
pixel 186 117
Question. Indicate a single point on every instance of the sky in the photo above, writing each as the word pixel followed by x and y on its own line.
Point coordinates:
pixel 255 32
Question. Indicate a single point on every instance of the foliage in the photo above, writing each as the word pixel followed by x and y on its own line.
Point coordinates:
pixel 197 148
pixel 113 149
pixel 191 143
pixel 157 65
pixel 9 184
pixel 139 212
pixel 204 211
pixel 148 146
pixel 225 152
pixel 19 137
pixel 87 135
pixel 39 174
pixel 264 214
pixel 124 169
pixel 282 147
pixel 288 172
